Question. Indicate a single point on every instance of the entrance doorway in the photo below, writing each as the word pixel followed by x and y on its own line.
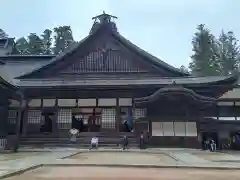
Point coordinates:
pixel 126 120
pixel 87 119
pixel 47 126
pixel 212 135
pixel 235 140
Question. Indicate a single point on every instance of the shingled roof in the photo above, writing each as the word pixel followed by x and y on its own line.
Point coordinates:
pixel 119 38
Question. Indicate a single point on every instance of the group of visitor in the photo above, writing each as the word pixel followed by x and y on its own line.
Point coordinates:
pixel 210 145
pixel 95 140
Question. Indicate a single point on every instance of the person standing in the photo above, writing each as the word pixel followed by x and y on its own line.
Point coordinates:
pixel 73 135
pixel 125 142
pixel 142 141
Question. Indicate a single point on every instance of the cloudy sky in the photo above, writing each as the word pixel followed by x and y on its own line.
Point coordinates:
pixel 162 27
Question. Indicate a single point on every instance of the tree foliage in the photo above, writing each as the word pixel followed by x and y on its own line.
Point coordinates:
pixel 228 54
pixel 21 46
pixel 63 38
pixel 35 44
pixel 49 42
pixel 214 56
pixel 205 55
pixel 184 69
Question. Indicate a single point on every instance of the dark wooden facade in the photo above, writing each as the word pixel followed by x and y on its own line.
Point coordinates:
pixel 105 79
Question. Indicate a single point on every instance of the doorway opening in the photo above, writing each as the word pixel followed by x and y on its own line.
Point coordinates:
pixel 235 140
pixel 126 118
pixel 213 135
pixel 87 119
pixel 47 126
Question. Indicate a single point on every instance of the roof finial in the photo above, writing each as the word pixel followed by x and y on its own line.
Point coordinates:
pixel 104 20
pixel 104 17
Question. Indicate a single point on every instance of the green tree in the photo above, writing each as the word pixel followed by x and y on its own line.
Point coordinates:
pixel 47 41
pixel 35 44
pixel 183 69
pixel 204 59
pixel 21 46
pixel 228 53
pixel 62 39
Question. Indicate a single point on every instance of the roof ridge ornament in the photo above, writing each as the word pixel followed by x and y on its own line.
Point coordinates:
pixel 105 20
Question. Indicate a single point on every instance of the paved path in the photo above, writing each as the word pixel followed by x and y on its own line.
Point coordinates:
pixel 11 166
pixel 187 158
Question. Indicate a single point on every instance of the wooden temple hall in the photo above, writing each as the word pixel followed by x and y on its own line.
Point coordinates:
pixel 106 85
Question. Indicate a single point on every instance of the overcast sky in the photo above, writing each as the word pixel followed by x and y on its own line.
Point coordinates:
pixel 162 27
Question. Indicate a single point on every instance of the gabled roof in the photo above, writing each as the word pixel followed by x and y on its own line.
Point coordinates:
pixel 17 65
pixel 119 38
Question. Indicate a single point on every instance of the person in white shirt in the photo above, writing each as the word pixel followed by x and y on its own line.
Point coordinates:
pixel 94 142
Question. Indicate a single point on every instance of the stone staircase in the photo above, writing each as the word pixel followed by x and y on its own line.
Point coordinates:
pixel 106 139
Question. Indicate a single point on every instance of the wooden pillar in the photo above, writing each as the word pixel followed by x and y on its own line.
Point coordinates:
pixel 55 118
pixel 4 120
pixel 25 119
pixel 134 120
pixel 118 116
pixel 18 124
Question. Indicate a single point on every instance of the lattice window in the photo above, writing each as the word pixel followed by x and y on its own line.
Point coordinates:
pixel 64 119
pixel 108 118
pixel 139 113
pixel 35 117
pixel 12 116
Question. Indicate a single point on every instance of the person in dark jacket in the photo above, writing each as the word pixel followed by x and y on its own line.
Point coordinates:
pixel 142 143
pixel 125 142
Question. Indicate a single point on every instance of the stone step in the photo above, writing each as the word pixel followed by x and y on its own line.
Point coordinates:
pixel 75 144
pixel 84 134
pixel 78 140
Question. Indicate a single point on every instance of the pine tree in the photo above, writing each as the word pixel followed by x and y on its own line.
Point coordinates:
pixel 228 53
pixel 204 60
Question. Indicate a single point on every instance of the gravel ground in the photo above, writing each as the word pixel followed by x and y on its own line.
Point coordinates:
pixel 106 173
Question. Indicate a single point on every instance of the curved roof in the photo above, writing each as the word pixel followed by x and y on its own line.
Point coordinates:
pixel 174 90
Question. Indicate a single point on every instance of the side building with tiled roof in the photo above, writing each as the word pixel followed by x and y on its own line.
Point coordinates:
pixel 107 86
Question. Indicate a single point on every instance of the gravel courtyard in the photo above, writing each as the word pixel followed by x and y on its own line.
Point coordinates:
pixel 106 173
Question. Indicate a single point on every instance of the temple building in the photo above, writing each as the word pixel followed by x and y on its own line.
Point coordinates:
pixel 105 85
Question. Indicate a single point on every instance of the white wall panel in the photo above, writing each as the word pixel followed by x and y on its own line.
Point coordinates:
pixel 222 103
pixel 34 103
pixel 14 103
pixel 191 129
pixel 180 128
pixel 87 102
pixel 168 129
pixel 125 101
pixel 157 129
pixel 49 102
pixel 107 102
pixel 67 102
